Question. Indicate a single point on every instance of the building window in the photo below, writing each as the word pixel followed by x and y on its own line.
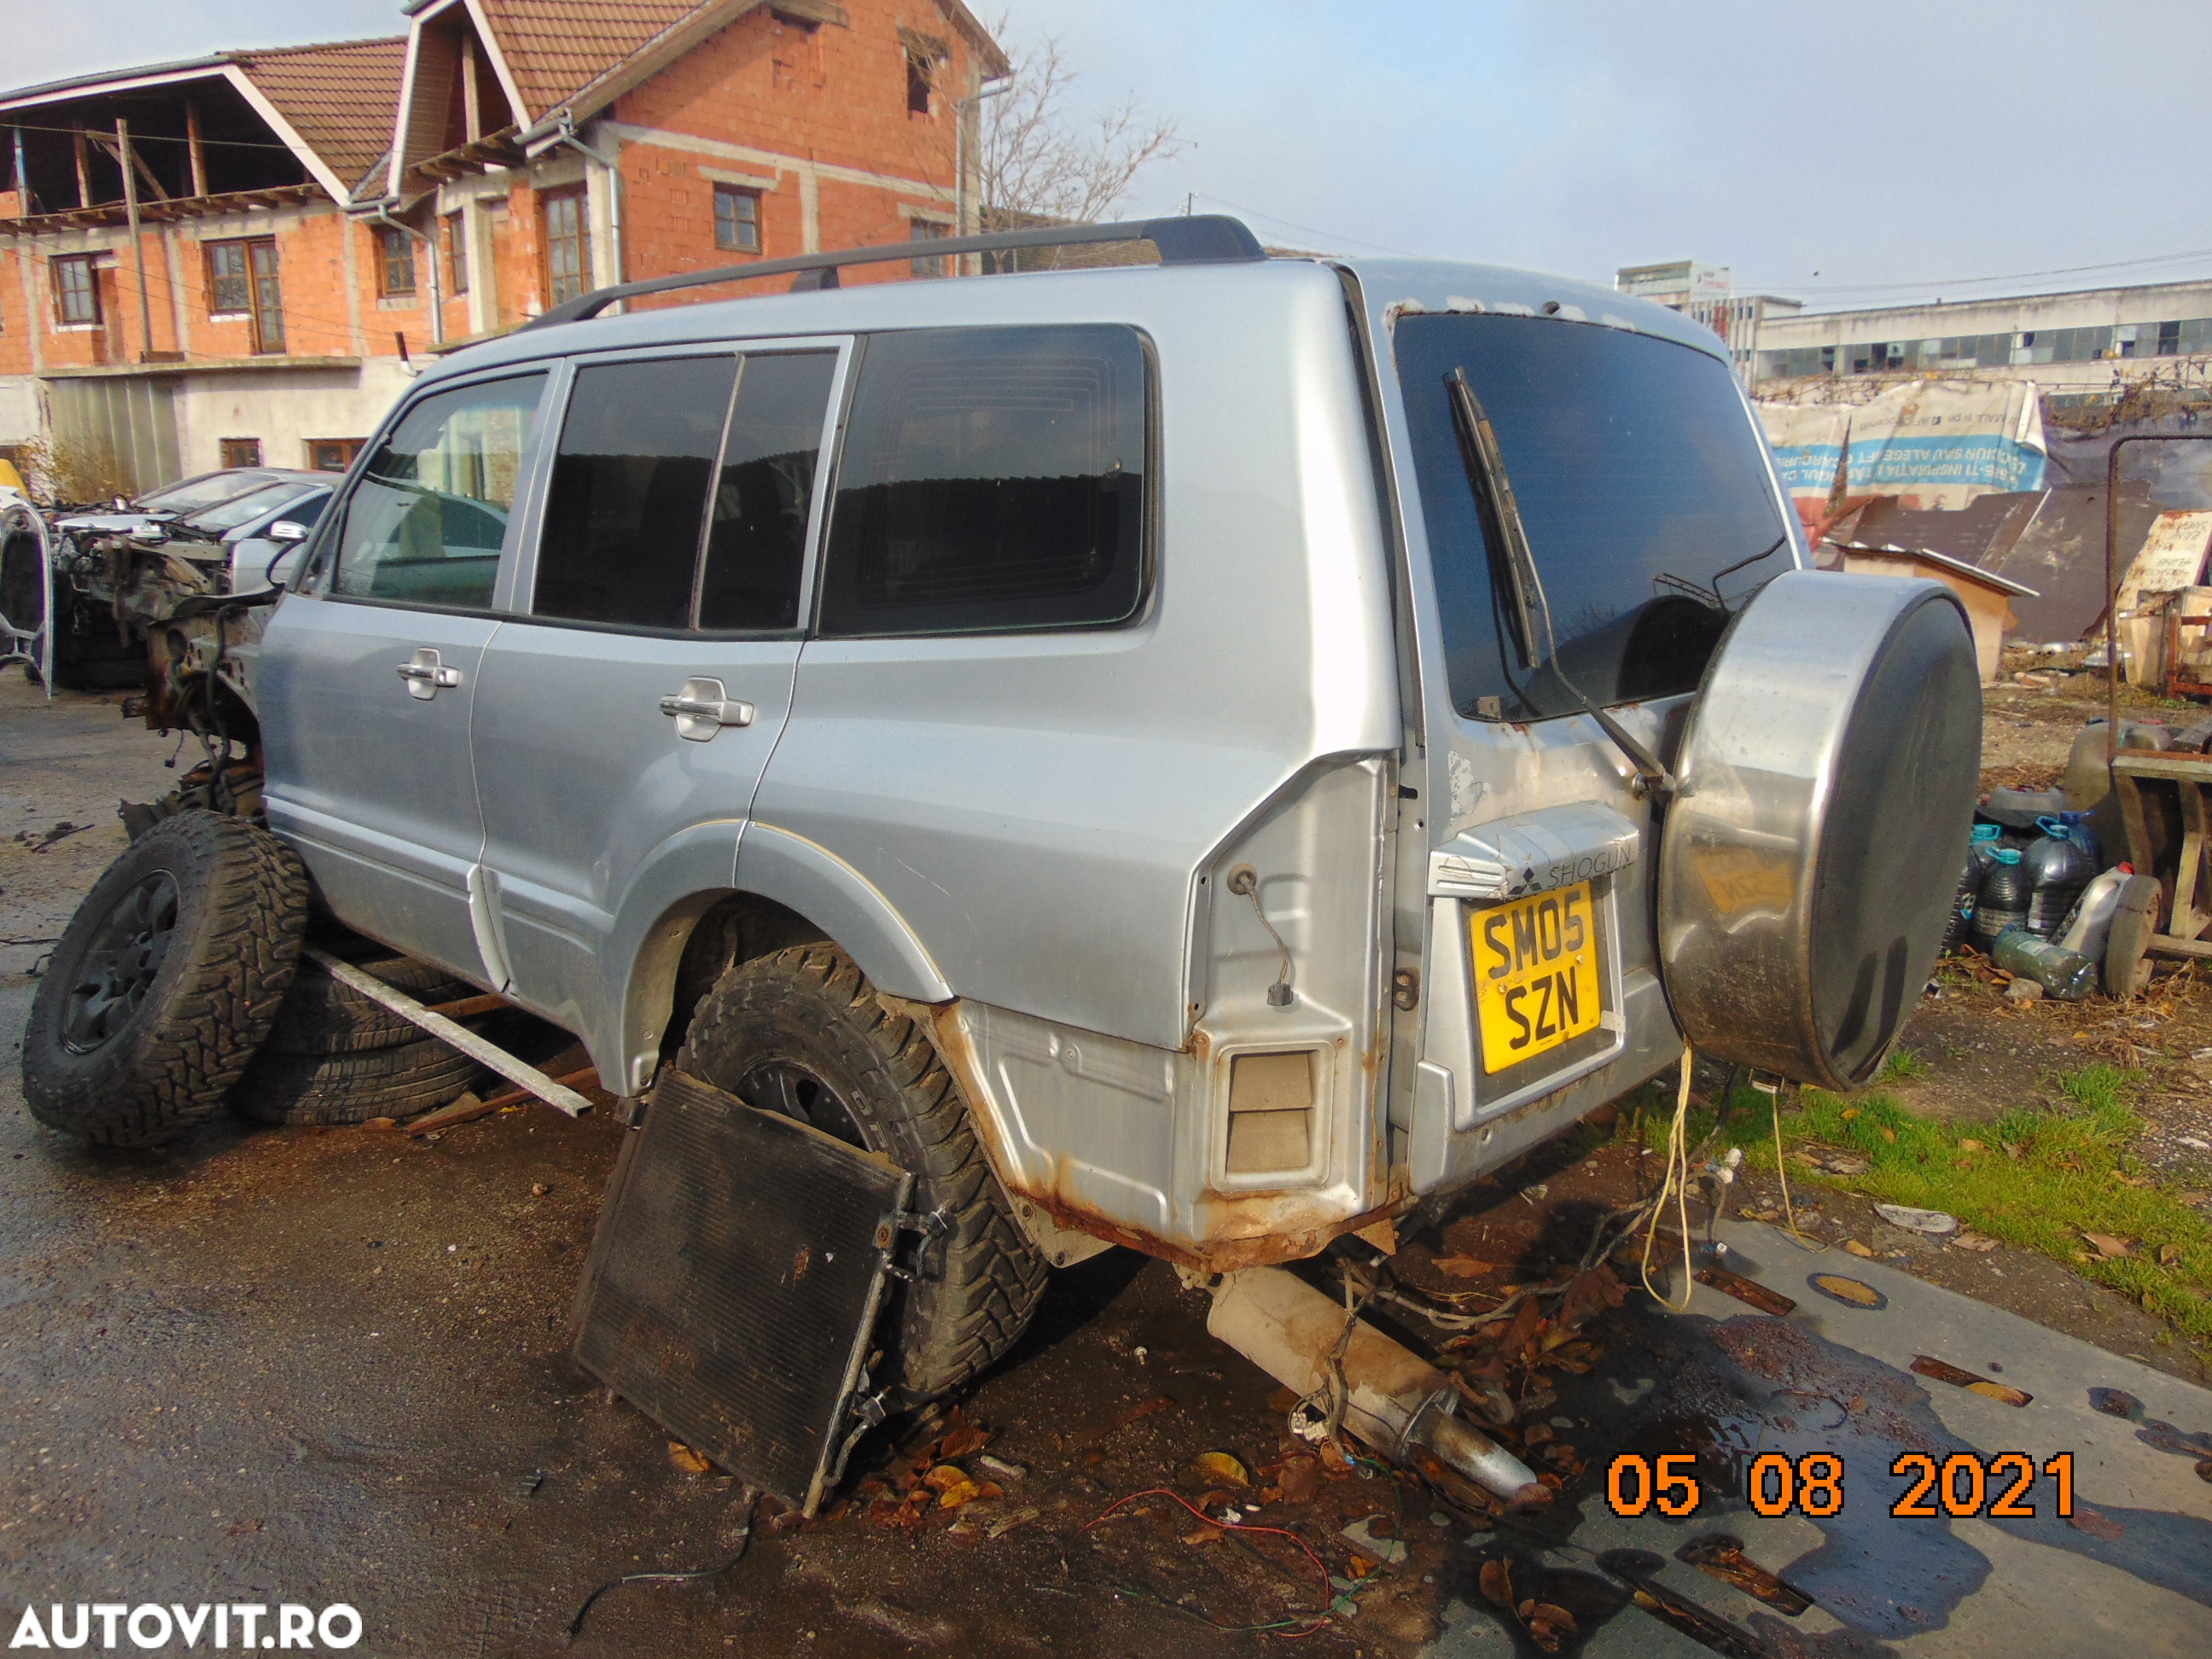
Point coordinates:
pixel 918 77
pixel 242 280
pixel 395 263
pixel 457 253
pixel 925 230
pixel 737 219
pixel 568 246
pixel 77 292
pixel 242 452
pixel 228 288
pixel 332 454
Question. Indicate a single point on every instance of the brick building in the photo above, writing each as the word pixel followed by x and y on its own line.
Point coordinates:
pixel 311 221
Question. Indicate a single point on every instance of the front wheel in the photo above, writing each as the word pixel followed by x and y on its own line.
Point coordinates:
pixel 803 1033
pixel 165 981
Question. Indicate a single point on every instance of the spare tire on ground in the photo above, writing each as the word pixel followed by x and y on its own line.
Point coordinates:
pixel 323 1015
pixel 395 1082
pixel 165 982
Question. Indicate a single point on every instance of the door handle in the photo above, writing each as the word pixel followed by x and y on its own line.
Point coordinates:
pixel 700 709
pixel 426 675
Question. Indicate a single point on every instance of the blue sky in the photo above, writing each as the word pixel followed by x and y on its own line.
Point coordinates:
pixel 1896 147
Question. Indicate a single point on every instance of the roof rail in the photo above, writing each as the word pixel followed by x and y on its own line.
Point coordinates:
pixel 1191 239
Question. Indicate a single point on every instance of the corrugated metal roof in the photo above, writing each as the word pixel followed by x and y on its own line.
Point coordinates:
pixel 338 98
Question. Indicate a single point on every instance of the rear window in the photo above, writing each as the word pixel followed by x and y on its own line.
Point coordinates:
pixel 1649 513
pixel 993 480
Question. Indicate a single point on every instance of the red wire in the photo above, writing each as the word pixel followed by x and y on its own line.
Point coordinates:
pixel 1320 1567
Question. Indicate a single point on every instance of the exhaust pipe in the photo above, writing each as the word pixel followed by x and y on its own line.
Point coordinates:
pixel 1395 1400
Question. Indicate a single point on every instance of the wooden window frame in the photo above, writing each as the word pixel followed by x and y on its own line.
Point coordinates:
pixel 548 201
pixel 739 225
pixel 395 248
pixel 64 294
pixel 456 253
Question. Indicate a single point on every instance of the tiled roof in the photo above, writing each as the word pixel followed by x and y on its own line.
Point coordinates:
pixel 338 98
pixel 557 47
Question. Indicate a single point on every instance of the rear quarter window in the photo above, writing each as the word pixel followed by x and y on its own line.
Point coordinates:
pixel 993 480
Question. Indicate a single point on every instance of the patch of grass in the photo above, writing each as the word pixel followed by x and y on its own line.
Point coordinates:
pixel 2037 1179
pixel 1902 1064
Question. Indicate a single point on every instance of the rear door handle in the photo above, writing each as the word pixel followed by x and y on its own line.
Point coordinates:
pixel 700 709
pixel 426 675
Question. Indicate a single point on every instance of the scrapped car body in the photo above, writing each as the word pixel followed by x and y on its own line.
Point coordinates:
pixel 119 577
pixel 1234 707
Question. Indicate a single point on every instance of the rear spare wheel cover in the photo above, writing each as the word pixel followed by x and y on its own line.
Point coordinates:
pixel 1808 861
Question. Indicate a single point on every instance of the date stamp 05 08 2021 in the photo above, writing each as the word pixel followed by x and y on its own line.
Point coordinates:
pixel 1963 1483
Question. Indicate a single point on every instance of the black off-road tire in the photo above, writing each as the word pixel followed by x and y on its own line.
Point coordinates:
pixel 165 982
pixel 323 1015
pixel 397 1082
pixel 809 1013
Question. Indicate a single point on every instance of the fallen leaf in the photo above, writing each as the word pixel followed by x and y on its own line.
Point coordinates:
pixel 2168 1255
pixel 1497 1583
pixel 1850 1113
pixel 1221 1467
pixel 2108 1246
pixel 1888 1134
pixel 1855 1247
pixel 964 1442
pixel 1464 1267
pixel 1971 1146
pixel 945 1477
pixel 690 1461
pixel 1359 1566
pixel 1536 1434
pixel 1301 1479
pixel 1211 1534
pixel 1557 1617
pixel 953 1496
pixel 1143 1408
pixel 1966 1241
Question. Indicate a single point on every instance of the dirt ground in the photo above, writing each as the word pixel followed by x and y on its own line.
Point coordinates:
pixel 332 1365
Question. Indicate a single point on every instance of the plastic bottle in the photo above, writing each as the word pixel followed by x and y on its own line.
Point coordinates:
pixel 2061 973
pixel 1980 848
pixel 2007 887
pixel 2090 922
pixel 2058 868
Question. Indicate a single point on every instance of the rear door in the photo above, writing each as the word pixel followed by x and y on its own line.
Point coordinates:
pixel 630 706
pixel 365 679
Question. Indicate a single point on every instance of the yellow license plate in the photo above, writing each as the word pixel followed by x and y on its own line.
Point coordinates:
pixel 1535 974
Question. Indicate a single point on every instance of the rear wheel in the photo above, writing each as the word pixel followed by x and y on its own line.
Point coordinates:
pixel 802 1033
pixel 165 981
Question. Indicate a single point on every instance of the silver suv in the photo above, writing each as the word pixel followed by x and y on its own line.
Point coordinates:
pixel 1205 756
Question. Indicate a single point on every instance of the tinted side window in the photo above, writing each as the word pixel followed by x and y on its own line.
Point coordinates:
pixel 993 479
pixel 627 505
pixel 756 536
pixel 425 523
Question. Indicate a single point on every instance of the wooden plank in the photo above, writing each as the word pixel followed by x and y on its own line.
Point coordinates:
pixel 446 1116
pixel 2187 921
pixel 2158 763
pixel 488 1002
pixel 527 1078
pixel 2166 945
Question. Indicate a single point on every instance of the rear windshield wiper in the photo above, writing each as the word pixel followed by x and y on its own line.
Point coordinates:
pixel 1509 538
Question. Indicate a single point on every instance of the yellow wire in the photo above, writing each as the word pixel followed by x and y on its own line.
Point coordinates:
pixel 1782 1170
pixel 1678 1177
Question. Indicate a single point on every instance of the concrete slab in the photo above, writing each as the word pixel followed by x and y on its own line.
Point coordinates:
pixel 2129 1571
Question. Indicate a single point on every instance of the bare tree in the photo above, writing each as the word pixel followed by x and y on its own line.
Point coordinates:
pixel 1034 161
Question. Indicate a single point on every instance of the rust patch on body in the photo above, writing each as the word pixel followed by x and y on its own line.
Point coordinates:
pixel 1246 1230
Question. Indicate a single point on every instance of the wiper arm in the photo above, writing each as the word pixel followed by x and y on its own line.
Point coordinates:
pixel 1501 516
pixel 1503 527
